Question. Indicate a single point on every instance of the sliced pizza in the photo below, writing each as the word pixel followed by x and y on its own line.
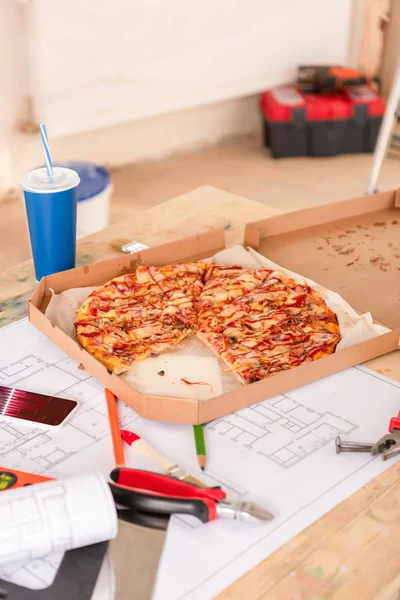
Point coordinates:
pixel 181 286
pixel 258 321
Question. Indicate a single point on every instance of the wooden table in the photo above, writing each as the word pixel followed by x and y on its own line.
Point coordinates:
pixel 351 553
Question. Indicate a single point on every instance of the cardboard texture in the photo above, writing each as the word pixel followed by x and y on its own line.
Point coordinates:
pixel 351 247
pixel 318 243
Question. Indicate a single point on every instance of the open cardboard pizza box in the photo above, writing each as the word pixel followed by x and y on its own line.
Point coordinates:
pixel 351 247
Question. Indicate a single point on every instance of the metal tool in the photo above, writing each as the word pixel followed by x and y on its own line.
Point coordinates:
pixel 151 498
pixel 347 446
pixel 389 444
pixel 236 510
pixel 247 512
pixel 133 247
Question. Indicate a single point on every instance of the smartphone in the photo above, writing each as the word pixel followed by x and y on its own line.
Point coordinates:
pixel 40 409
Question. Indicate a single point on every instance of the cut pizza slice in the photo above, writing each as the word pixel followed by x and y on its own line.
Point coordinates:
pixel 256 358
pixel 119 344
pixel 181 286
pixel 276 305
pixel 110 345
pixel 121 291
pixel 278 325
pixel 126 321
pixel 222 285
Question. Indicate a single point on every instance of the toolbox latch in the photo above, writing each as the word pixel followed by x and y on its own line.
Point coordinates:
pixel 360 113
pixel 298 117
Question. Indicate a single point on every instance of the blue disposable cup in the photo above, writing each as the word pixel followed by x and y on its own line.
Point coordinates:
pixel 51 205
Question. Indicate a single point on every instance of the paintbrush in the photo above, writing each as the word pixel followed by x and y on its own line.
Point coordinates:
pixel 169 466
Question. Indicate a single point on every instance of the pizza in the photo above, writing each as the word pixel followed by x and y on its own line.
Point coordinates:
pixel 257 321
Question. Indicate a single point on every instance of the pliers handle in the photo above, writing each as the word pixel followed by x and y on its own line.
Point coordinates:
pixel 151 498
pixel 394 423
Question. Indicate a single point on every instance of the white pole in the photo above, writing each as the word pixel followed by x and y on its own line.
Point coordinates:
pixel 385 131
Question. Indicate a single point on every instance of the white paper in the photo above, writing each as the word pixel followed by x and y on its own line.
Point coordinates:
pixel 286 460
pixel 55 516
pixel 202 373
pixel 28 360
pixel 281 454
pixel 33 574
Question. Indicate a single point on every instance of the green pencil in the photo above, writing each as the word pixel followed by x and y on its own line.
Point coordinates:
pixel 200 445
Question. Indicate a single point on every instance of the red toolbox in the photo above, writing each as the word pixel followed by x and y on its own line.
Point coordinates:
pixel 298 124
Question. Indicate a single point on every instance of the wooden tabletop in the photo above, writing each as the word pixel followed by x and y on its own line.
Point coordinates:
pixel 351 553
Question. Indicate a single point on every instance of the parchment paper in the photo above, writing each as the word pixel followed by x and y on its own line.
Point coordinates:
pixel 191 360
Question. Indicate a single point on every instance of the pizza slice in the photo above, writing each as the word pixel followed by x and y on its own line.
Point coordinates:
pixel 120 292
pixel 278 302
pixel 222 285
pixel 252 359
pixel 277 326
pixel 181 286
pixel 127 320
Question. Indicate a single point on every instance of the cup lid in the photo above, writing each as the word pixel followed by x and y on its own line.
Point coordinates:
pixel 38 181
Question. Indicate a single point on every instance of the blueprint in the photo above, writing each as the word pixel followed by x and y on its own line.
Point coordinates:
pixel 40 368
pixel 57 515
pixel 29 361
pixel 279 453
pixel 282 429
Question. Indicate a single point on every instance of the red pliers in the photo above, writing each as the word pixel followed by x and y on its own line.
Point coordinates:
pixel 149 499
pixel 389 444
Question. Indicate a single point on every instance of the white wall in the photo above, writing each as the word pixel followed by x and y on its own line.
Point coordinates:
pixel 14 80
pixel 146 139
pixel 131 80
pixel 96 64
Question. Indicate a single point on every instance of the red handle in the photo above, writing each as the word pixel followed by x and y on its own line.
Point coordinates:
pixel 129 436
pixel 146 481
pixel 394 423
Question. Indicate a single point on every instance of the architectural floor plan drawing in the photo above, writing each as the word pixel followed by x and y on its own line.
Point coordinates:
pixel 282 429
pixel 279 453
pixel 247 448
pixel 23 523
pixel 61 514
pixel 43 449
pixel 34 574
pixel 233 491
